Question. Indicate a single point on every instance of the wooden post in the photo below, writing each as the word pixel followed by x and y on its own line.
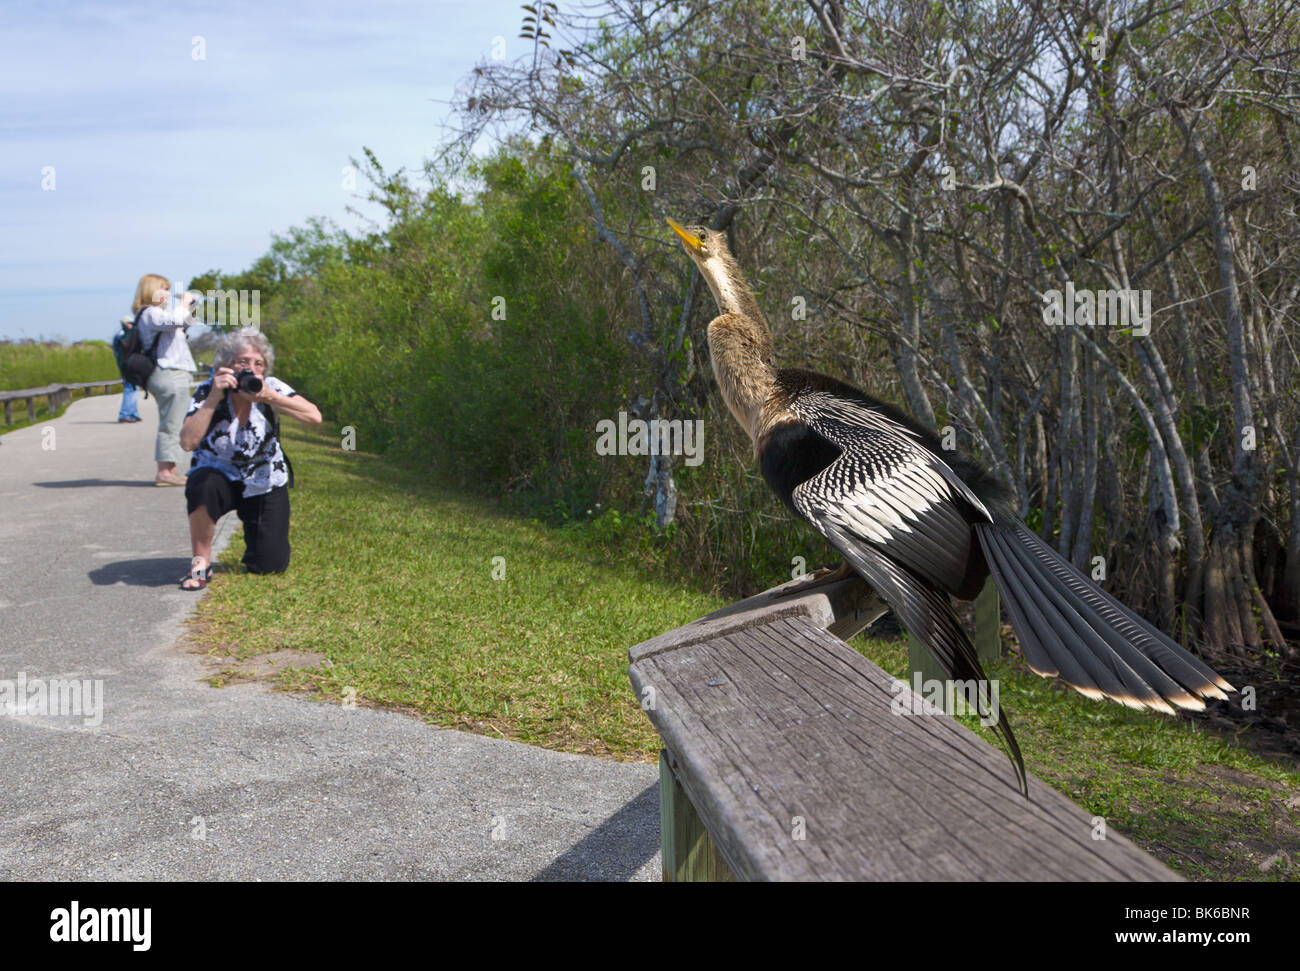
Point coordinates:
pixel 920 663
pixel 987 639
pixel 988 623
pixel 686 849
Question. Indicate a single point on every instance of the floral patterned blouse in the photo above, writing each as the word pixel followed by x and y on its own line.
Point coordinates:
pixel 242 453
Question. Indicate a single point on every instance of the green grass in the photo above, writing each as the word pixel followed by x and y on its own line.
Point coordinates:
pixel 1201 803
pixel 25 366
pixel 392 582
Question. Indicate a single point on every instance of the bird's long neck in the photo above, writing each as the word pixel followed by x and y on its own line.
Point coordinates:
pixel 733 294
pixel 740 346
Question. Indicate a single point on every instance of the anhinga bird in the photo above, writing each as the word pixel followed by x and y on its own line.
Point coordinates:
pixel 918 523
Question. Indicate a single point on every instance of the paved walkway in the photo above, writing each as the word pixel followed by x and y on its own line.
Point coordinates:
pixel 181 781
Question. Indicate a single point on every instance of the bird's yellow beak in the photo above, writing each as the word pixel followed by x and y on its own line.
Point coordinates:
pixel 692 244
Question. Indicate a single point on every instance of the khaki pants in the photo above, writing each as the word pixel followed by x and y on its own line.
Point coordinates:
pixel 172 390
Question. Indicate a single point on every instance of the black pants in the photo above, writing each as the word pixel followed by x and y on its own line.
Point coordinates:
pixel 265 517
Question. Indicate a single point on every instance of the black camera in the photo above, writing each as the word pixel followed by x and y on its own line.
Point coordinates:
pixel 249 382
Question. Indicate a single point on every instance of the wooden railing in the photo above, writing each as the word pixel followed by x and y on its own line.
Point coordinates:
pixel 58 395
pixel 789 756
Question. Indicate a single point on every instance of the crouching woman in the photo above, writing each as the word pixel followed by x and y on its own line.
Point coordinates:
pixel 238 461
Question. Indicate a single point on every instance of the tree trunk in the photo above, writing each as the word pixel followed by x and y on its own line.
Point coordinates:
pixel 904 351
pixel 1289 589
pixel 1082 552
pixel 1237 510
pixel 1070 437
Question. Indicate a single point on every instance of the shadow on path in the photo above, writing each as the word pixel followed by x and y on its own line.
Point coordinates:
pixel 616 849
pixel 162 571
pixel 97 483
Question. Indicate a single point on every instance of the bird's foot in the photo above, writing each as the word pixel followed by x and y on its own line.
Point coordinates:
pixel 827 575
pixel 823 577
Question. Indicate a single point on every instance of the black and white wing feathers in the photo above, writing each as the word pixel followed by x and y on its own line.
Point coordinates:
pixel 887 488
pixel 902 520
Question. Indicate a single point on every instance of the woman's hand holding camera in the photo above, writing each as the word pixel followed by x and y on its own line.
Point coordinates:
pixel 224 380
pixel 227 379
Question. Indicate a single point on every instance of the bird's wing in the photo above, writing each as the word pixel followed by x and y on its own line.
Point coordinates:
pixel 887 489
pixel 902 520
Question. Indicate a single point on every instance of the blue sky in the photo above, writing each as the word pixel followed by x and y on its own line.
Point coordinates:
pixel 164 163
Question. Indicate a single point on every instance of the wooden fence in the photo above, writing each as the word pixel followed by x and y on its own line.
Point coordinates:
pixel 57 395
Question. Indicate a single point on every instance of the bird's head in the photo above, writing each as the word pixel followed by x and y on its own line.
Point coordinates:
pixel 709 249
pixel 701 244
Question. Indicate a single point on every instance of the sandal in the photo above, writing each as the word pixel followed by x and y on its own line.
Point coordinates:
pixel 197 575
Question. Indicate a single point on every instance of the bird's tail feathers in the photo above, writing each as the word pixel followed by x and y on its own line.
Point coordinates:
pixel 1069 628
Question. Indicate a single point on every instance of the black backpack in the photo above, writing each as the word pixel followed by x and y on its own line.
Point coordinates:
pixel 118 338
pixel 138 363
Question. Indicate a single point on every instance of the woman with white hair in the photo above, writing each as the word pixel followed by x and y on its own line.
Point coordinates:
pixel 232 428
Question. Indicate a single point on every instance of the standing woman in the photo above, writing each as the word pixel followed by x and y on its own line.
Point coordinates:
pixel 170 381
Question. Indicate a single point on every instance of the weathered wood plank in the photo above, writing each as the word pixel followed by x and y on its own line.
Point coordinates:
pixel 50 389
pixel 790 748
pixel 844 606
